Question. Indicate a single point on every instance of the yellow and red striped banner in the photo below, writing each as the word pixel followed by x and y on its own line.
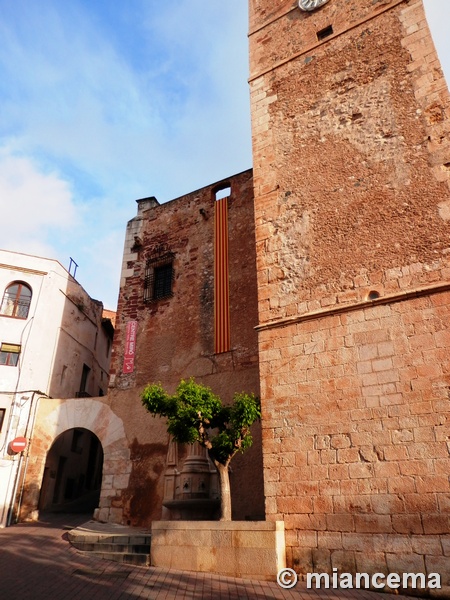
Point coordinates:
pixel 221 285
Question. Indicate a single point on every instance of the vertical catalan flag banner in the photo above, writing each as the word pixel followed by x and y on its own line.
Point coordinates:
pixel 221 285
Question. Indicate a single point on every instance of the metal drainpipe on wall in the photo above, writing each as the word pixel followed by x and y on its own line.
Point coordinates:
pixel 29 435
pixel 17 473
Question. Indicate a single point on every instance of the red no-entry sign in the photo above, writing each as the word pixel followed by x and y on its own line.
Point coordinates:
pixel 18 444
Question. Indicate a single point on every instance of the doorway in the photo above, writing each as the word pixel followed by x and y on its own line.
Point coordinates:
pixel 73 473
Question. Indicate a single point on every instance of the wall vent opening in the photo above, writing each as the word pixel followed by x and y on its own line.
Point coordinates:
pixel 324 33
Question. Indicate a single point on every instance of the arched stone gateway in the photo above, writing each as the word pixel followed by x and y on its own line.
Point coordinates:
pixel 54 417
pixel 72 478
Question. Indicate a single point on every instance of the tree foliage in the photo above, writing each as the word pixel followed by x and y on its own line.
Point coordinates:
pixel 195 414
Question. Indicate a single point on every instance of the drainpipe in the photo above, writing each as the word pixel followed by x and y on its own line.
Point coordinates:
pixel 28 433
pixel 17 474
pixel 30 427
pixel 8 437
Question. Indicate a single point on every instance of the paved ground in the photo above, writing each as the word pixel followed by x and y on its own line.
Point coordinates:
pixel 38 563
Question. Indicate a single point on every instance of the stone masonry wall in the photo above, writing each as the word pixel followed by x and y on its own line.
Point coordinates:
pixel 175 335
pixel 356 437
pixel 351 155
pixel 351 172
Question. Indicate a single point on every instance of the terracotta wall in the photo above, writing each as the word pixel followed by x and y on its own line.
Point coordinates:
pixel 351 155
pixel 350 158
pixel 175 336
pixel 355 436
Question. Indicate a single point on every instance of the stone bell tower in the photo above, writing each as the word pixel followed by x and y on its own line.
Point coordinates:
pixel 351 153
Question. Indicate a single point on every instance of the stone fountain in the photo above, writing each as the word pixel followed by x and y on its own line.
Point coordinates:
pixel 191 486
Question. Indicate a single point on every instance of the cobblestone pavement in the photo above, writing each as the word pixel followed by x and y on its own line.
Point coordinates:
pixel 38 563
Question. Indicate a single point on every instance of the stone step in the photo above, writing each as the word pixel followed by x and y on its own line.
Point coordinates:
pixel 112 547
pixel 129 558
pixel 112 542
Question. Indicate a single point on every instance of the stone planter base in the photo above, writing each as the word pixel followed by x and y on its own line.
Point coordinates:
pixel 249 549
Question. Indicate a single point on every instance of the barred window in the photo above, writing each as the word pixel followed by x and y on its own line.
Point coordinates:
pixel 16 300
pixel 159 276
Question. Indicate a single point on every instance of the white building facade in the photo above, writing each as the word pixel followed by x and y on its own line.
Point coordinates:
pixel 54 343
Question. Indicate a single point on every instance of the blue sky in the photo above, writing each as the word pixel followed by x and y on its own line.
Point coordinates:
pixel 106 102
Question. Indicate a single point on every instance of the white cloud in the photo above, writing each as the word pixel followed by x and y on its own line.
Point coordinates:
pixel 77 96
pixel 34 205
pixel 40 217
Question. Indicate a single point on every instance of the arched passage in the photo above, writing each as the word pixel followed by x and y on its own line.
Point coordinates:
pixel 53 419
pixel 72 473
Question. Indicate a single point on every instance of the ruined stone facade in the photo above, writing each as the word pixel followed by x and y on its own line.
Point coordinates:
pixel 350 122
pixel 173 338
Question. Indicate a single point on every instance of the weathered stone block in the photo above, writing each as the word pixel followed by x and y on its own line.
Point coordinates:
pixel 239 549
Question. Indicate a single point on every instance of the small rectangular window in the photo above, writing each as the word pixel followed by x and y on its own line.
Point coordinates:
pixel 159 276
pixel 9 354
pixel 2 417
pixel 324 33
pixel 83 383
pixel 223 192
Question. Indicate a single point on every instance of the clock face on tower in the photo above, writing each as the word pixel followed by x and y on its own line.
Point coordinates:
pixel 311 4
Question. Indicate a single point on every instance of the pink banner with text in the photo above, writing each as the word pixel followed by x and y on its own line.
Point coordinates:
pixel 130 347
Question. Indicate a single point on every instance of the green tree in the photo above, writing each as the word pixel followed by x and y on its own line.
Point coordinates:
pixel 195 414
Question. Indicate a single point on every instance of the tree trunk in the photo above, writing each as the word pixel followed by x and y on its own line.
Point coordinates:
pixel 225 492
